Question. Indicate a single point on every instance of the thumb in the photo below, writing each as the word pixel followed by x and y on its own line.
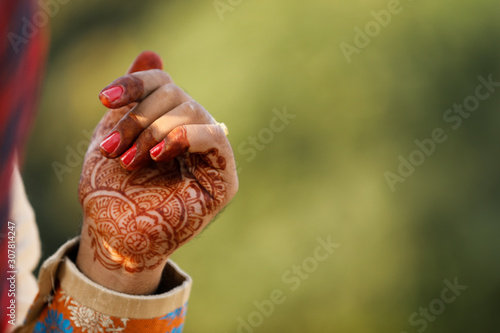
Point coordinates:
pixel 146 60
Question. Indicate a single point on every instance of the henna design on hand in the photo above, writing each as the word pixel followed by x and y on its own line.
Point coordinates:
pixel 137 211
pixel 136 219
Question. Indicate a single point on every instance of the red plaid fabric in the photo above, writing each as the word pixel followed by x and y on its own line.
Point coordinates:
pixel 22 56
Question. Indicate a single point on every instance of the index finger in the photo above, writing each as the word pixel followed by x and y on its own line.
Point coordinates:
pixel 133 87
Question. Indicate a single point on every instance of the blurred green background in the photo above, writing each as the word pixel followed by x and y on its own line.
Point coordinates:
pixel 323 174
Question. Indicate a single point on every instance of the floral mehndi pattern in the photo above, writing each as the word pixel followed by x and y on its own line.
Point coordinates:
pixel 137 218
pixel 134 220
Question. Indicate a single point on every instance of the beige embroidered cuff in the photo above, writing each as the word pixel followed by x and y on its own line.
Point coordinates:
pixel 60 276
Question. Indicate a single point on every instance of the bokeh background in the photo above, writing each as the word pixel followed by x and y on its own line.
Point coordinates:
pixel 323 175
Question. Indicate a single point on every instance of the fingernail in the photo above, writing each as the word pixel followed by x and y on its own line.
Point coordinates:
pixel 129 155
pixel 111 142
pixel 156 150
pixel 112 94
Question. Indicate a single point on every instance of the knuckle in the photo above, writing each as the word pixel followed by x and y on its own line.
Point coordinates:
pixel 169 90
pixel 158 76
pixel 155 73
pixel 199 112
pixel 216 133
pixel 193 105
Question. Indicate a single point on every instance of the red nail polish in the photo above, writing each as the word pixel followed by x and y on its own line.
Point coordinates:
pixel 156 150
pixel 111 142
pixel 112 94
pixel 129 155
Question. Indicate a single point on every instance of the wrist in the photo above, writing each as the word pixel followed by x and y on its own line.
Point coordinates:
pixel 117 277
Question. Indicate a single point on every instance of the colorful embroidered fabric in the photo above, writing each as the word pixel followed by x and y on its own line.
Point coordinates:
pixel 66 315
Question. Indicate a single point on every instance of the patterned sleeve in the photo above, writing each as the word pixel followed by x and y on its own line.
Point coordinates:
pixel 69 302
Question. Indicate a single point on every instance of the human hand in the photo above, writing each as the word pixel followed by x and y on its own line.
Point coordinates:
pixel 157 171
